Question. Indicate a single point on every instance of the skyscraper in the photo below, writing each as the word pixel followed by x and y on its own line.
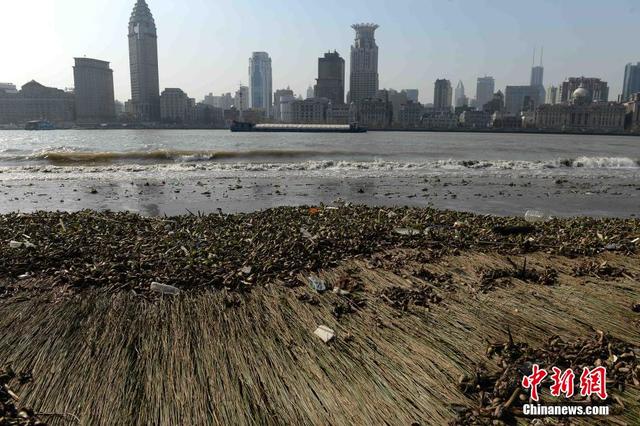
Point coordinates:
pixel 537 75
pixel 484 90
pixel 459 98
pixel 363 81
pixel 93 82
pixel 552 95
pixel 330 82
pixel 260 82
pixel 631 82
pixel 143 61
pixel 537 72
pixel 442 93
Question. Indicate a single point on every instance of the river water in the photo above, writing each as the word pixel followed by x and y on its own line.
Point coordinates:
pixel 596 167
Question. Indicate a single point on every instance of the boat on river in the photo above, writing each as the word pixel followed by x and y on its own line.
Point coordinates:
pixel 243 126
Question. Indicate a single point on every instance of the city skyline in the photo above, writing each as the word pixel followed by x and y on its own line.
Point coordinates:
pixel 410 55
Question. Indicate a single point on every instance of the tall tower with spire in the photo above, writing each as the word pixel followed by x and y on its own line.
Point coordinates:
pixel 363 81
pixel 537 72
pixel 459 97
pixel 143 62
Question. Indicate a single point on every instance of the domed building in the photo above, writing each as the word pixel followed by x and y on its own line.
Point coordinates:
pixel 581 96
pixel 582 114
pixel 598 89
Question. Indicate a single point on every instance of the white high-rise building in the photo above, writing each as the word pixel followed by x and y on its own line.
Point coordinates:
pixel 310 93
pixel 260 82
pixel 363 81
pixel 484 90
pixel 459 97
pixel 143 63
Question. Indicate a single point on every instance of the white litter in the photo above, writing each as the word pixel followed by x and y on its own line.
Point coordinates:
pixel 406 231
pixel 317 284
pixel 18 244
pixel 306 233
pixel 325 333
pixel 164 289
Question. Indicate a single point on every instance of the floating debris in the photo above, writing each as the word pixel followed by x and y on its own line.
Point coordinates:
pixel 347 284
pixel 10 414
pixel 499 277
pixel 207 251
pixel 325 333
pixel 402 298
pixel 596 269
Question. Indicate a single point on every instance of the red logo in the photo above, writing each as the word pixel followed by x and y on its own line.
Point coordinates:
pixel 562 382
pixel 534 380
pixel 592 382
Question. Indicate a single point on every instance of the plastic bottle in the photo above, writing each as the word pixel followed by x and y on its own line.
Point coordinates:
pixel 533 216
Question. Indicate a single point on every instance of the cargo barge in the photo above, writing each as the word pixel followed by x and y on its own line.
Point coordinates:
pixel 240 126
pixel 39 125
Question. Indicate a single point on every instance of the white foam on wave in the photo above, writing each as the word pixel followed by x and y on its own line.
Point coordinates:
pixel 606 162
pixel 327 168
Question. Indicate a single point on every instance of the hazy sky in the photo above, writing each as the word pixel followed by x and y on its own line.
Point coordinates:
pixel 204 45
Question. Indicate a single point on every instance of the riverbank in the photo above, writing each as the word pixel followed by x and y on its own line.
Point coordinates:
pixel 413 297
pixel 180 191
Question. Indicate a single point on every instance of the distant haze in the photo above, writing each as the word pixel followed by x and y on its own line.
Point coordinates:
pixel 204 45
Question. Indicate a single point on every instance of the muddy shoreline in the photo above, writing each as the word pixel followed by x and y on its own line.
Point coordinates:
pixel 564 197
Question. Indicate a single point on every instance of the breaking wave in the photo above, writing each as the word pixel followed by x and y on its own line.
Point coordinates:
pixel 580 162
pixel 75 157
pixel 583 166
pixel 275 159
